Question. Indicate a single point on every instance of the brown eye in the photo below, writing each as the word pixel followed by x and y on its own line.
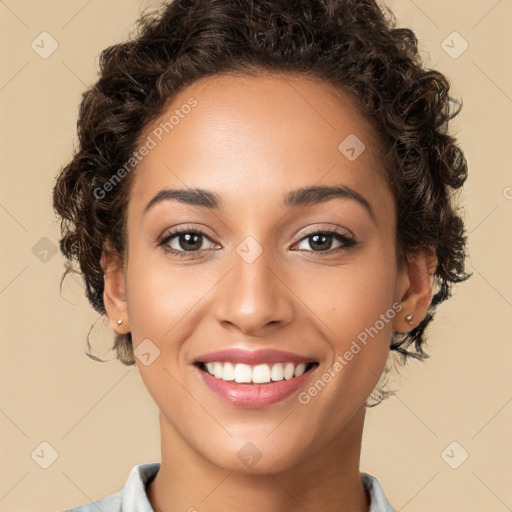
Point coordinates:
pixel 184 241
pixel 189 241
pixel 322 241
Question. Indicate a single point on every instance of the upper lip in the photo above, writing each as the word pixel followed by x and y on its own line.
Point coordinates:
pixel 253 357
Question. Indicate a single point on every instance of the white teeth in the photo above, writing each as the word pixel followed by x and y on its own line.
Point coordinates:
pixel 259 374
pixel 217 370
pixel 228 372
pixel 277 372
pixel 288 370
pixel 299 370
pixel 243 373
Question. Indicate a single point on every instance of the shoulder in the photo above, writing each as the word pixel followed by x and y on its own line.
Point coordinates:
pixel 111 503
pixel 378 499
pixel 131 498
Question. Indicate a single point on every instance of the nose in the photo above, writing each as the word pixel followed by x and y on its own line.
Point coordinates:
pixel 254 297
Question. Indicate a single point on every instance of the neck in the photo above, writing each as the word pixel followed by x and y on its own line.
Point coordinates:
pixel 327 479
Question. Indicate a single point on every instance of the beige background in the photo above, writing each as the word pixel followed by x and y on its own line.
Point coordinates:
pixel 99 417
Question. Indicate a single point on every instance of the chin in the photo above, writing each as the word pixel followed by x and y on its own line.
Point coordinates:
pixel 255 457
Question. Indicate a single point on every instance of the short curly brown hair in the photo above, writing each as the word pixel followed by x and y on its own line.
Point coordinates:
pixel 353 44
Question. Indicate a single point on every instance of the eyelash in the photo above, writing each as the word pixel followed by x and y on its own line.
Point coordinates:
pixel 346 241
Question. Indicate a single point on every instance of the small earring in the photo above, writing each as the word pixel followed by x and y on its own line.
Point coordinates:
pixel 119 322
pixel 408 319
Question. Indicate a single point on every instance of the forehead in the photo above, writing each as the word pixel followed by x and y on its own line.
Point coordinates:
pixel 249 137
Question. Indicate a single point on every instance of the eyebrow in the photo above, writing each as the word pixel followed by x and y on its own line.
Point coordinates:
pixel 301 197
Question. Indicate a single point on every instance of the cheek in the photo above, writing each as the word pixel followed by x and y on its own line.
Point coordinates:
pixel 160 300
pixel 351 297
pixel 160 296
pixel 353 305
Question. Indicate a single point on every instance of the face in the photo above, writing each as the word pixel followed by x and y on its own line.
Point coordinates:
pixel 256 265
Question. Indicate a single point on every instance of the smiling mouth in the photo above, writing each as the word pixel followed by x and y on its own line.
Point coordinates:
pixel 240 373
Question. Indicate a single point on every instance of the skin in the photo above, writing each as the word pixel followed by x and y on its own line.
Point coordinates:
pixel 252 140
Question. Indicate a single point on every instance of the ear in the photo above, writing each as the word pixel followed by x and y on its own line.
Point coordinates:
pixel 114 293
pixel 415 289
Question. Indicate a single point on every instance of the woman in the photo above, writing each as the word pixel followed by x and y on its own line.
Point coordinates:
pixel 262 205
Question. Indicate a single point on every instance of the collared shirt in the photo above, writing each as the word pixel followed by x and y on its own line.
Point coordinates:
pixel 133 498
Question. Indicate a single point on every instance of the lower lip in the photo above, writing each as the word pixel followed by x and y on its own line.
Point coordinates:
pixel 253 395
